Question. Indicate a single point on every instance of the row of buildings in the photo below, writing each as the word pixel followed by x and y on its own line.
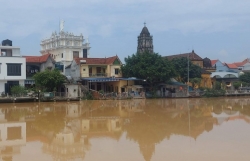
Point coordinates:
pixel 70 54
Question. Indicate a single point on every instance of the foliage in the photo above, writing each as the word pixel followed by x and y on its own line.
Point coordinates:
pixel 18 90
pixel 88 95
pixel 217 85
pixel 49 80
pixel 237 84
pixel 195 81
pixel 147 66
pixel 214 93
pixel 245 77
pixel 181 67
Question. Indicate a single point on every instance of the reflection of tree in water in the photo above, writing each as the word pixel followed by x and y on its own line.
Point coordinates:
pixel 147 131
pixel 154 126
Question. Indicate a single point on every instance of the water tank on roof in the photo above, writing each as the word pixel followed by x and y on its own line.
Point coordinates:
pixel 7 42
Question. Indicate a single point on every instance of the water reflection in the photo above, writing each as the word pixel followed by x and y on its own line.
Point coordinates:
pixel 73 130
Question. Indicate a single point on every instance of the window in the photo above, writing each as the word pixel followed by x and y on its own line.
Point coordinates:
pixel 62 55
pixel 14 133
pixel 13 69
pixel 75 54
pixel 116 71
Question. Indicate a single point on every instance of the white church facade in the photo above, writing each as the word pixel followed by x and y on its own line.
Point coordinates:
pixel 65 46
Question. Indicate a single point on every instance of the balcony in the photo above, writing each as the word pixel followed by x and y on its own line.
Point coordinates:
pixel 96 75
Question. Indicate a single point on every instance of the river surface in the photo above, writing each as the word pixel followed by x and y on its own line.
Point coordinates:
pixel 216 129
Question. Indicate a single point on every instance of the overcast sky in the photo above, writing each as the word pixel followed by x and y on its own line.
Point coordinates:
pixel 217 29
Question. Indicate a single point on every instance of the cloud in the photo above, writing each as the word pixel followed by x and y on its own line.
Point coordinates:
pixel 115 18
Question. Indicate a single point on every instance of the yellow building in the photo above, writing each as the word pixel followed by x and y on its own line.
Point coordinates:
pixel 205 65
pixel 101 74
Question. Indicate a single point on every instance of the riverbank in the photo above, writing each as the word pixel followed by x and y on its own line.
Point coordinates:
pixel 35 99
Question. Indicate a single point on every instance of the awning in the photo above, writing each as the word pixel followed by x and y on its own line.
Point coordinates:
pixel 130 78
pixel 111 79
pixel 133 86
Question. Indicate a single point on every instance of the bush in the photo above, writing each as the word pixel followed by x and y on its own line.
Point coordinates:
pixel 88 95
pixel 18 91
pixel 214 93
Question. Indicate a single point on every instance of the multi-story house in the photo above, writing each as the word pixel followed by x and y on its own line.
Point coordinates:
pixel 36 64
pixel 98 73
pixel 12 67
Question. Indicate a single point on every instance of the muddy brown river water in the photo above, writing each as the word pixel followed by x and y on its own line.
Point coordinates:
pixel 214 129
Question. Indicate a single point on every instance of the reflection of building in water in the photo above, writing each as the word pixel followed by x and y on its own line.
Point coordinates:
pixel 73 110
pixel 65 146
pixel 227 113
pixel 12 137
pixel 128 108
pixel 101 124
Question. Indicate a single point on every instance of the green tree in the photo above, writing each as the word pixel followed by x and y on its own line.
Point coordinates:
pixel 217 85
pixel 245 78
pixel 181 67
pixel 195 81
pixel 49 80
pixel 150 67
pixel 237 84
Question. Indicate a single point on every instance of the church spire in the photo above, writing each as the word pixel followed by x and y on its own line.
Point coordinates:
pixel 145 41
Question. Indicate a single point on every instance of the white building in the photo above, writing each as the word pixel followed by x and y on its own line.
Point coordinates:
pixel 12 68
pixel 65 46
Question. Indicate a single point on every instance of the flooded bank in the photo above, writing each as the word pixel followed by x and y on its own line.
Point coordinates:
pixel 119 130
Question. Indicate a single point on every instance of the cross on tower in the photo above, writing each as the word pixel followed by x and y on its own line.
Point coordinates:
pixel 145 24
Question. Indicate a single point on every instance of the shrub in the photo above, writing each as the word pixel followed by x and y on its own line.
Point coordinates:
pixel 18 91
pixel 214 93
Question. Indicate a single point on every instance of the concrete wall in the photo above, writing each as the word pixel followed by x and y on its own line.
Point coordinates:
pixel 3 71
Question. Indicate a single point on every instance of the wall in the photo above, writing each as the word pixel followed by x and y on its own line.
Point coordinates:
pixel 3 71
pixel 75 70
pixel 199 63
pixel 220 67
pixel 112 70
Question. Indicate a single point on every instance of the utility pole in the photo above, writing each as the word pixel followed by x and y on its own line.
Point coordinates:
pixel 188 75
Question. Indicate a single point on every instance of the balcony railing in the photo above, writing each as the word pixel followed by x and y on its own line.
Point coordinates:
pixel 96 75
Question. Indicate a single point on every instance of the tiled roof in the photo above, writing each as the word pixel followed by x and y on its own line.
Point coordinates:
pixel 231 66
pixel 37 59
pixel 192 56
pixel 213 62
pixel 108 60
pixel 241 63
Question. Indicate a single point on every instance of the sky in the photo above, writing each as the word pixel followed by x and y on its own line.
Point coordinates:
pixel 216 29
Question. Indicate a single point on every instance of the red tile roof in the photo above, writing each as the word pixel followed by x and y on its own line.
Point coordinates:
pixel 213 62
pixel 231 66
pixel 37 59
pixel 241 63
pixel 192 56
pixel 109 60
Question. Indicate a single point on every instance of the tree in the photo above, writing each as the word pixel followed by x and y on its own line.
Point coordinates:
pixel 195 82
pixel 245 78
pixel 237 84
pixel 148 66
pixel 181 67
pixel 49 80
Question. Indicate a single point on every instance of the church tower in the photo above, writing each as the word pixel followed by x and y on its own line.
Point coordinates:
pixel 145 41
